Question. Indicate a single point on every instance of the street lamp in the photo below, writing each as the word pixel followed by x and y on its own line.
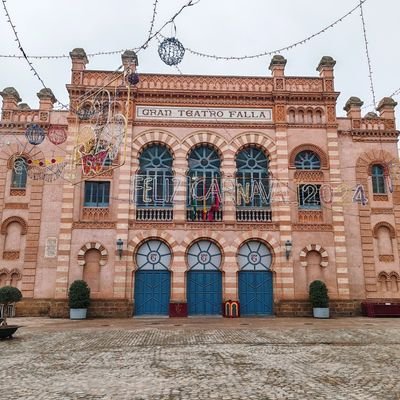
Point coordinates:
pixel 120 244
pixel 288 248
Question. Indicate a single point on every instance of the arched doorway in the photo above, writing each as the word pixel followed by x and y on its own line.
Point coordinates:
pixel 204 279
pixel 152 278
pixel 255 279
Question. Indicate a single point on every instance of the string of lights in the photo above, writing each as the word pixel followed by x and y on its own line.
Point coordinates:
pixel 395 93
pixel 153 18
pixel 280 50
pixel 116 76
pixel 371 81
pixel 24 56
pixel 198 53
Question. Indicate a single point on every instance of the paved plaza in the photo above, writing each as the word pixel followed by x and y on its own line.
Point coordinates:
pixel 134 359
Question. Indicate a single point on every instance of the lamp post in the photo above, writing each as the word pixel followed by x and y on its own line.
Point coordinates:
pixel 120 244
pixel 288 248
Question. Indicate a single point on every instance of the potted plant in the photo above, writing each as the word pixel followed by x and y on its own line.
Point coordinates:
pixel 8 295
pixel 319 299
pixel 78 299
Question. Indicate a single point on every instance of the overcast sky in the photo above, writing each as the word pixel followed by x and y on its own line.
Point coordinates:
pixel 221 27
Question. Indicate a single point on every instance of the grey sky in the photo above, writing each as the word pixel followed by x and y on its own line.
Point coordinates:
pixel 222 27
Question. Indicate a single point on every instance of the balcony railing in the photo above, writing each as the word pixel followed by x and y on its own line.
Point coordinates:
pixel 201 216
pixel 254 215
pixel 154 214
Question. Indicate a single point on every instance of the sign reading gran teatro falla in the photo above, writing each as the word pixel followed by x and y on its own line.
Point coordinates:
pixel 208 114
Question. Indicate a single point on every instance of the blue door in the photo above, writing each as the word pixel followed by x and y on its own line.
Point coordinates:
pixel 255 293
pixel 152 292
pixel 204 292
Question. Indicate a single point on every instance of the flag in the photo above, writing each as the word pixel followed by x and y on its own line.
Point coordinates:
pixel 194 208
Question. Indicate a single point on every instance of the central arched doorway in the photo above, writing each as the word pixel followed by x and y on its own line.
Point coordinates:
pixel 204 279
pixel 152 278
pixel 255 279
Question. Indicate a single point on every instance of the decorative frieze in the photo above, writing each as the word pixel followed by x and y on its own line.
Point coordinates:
pixel 93 225
pixel 10 255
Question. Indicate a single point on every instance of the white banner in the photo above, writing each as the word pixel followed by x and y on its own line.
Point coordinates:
pixel 214 114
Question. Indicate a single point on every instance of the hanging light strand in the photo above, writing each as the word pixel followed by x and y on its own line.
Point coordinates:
pixel 24 56
pixel 371 81
pixel 153 18
pixel 272 52
pixel 195 52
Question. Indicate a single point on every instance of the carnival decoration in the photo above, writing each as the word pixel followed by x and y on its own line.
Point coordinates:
pixel 35 134
pixel 47 173
pixel 171 51
pixel 57 134
pixel 100 138
pixel 133 78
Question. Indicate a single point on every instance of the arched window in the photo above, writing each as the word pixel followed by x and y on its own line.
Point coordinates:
pixel 204 178
pixel 378 179
pixel 309 117
pixel 307 160
pixel 19 173
pixel 155 180
pixel 300 117
pixel 204 255
pixel 292 116
pixel 318 117
pixel 91 269
pixel 252 186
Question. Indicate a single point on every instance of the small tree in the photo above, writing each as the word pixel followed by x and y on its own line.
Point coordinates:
pixel 9 295
pixel 79 295
pixel 318 293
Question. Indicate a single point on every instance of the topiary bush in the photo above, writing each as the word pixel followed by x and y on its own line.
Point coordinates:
pixel 79 295
pixel 9 295
pixel 318 293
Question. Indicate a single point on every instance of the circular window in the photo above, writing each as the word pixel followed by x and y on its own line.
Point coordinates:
pixel 154 255
pixel 204 255
pixel 254 256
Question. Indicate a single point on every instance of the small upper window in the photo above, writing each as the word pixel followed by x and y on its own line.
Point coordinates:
pixel 307 160
pixel 378 179
pixel 309 196
pixel 97 194
pixel 19 174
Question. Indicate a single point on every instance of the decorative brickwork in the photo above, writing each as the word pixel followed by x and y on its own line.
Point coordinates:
pixel 321 154
pixel 92 245
pixel 314 247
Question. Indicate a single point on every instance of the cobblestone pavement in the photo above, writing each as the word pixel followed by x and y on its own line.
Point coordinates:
pixel 202 359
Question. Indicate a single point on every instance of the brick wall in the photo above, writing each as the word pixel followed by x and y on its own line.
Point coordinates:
pixel 338 308
pixel 60 309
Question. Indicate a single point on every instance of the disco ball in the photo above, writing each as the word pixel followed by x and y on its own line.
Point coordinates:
pixel 35 134
pixel 171 51
pixel 133 78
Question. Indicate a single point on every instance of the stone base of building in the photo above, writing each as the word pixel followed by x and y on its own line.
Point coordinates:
pixel 59 308
pixel 123 308
pixel 338 308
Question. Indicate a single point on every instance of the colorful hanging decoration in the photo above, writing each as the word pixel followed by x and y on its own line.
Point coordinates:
pixel 35 134
pixel 93 163
pixel 85 113
pixel 57 134
pixel 47 173
pixel 171 51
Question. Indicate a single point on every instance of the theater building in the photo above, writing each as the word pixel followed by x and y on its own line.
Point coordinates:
pixel 174 194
